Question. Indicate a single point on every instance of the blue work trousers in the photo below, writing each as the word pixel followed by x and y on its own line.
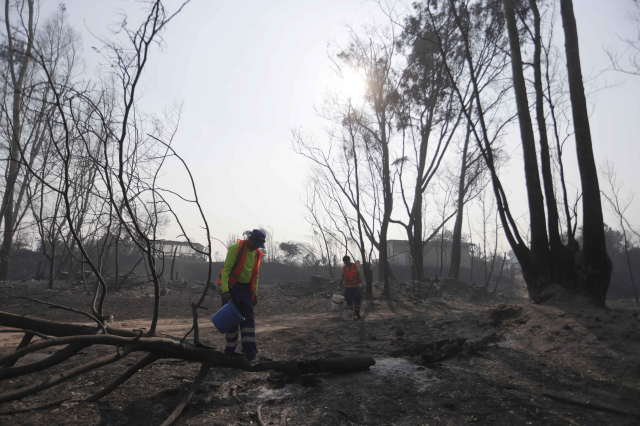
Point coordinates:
pixel 242 299
pixel 353 297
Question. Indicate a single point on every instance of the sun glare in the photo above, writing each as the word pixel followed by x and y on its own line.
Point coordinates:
pixel 352 85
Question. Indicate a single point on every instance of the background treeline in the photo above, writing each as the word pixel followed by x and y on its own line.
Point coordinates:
pixel 423 145
pixel 425 148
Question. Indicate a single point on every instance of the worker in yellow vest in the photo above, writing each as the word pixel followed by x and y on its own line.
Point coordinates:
pixel 239 282
pixel 351 277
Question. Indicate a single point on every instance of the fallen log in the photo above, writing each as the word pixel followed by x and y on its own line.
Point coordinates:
pixel 76 337
pixel 33 367
pixel 148 360
pixel 26 339
pixel 57 329
pixel 167 348
pixel 49 382
pixel 188 351
pixel 104 339
pixel 67 308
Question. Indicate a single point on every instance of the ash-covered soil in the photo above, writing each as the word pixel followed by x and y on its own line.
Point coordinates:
pixel 564 362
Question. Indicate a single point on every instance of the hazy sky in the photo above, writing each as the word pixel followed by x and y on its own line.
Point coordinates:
pixel 247 72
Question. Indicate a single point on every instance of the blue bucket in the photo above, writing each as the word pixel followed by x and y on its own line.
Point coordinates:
pixel 226 318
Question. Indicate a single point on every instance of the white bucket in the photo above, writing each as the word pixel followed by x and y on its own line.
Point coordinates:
pixel 336 302
pixel 347 314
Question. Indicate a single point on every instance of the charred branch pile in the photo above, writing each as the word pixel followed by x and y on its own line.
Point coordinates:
pixel 69 339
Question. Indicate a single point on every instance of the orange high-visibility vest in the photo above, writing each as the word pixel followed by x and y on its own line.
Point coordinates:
pixel 351 278
pixel 239 264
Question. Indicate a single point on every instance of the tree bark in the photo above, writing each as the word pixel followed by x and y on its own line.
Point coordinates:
pixel 504 259
pixel 539 240
pixel 456 244
pixel 387 206
pixel 117 260
pixel 417 251
pixel 173 261
pixel 530 270
pixel 595 272
pixel 571 241
pixel 52 261
pixel 14 150
pixel 545 158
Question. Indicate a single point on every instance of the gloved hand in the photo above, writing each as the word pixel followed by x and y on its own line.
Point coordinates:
pixel 255 300
pixel 225 297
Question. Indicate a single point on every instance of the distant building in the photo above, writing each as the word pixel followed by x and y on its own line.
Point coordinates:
pixel 182 249
pixel 433 253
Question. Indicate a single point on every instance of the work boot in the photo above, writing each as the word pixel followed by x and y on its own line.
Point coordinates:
pixel 357 315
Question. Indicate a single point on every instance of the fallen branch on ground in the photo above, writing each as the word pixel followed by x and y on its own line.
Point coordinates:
pixel 16 331
pixel 144 362
pixel 235 396
pixel 49 382
pixel 260 421
pixel 55 359
pixel 53 328
pixel 75 338
pixel 185 400
pixel 26 339
pixel 66 308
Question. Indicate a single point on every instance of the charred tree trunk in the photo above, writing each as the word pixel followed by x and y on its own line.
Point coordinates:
pixel 17 81
pixel 52 261
pixel 472 250
pixel 456 244
pixel 417 249
pixel 504 259
pixel 595 266
pixel 531 271
pixel 383 257
pixel 368 275
pixel 117 262
pixel 572 244
pixel 539 240
pixel 387 208
pixel 412 243
pixel 173 261
pixel 545 158
pixel 41 269
pixel 366 264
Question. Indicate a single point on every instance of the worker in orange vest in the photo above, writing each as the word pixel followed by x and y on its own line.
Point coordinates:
pixel 351 277
pixel 239 282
